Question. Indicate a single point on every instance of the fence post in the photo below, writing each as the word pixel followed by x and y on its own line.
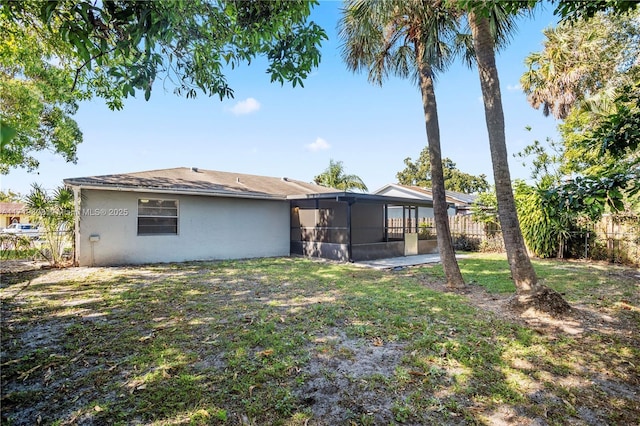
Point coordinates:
pixel 586 245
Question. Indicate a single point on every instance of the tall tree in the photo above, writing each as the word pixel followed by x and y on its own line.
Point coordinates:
pixel 572 10
pixel 418 173
pixel 480 21
pixel 490 23
pixel 408 38
pixel 36 100
pixel 335 177
pixel 10 197
pixel 581 63
pixel 114 49
pixel 601 155
pixel 588 75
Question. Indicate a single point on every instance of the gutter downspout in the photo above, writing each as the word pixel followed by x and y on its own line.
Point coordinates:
pixel 350 244
pixel 77 204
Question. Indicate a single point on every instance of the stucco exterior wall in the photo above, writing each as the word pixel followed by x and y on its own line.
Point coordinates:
pixel 8 219
pixel 208 228
pixel 12 212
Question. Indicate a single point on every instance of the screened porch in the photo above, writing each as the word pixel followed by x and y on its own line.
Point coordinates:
pixel 353 227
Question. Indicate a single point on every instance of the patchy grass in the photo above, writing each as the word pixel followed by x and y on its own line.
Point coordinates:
pixel 577 280
pixel 292 341
pixel 31 253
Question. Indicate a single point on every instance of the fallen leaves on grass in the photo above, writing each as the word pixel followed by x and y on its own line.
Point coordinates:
pixel 265 353
pixel 24 375
pixel 147 337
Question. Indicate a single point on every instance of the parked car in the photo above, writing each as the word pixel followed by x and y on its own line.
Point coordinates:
pixel 25 229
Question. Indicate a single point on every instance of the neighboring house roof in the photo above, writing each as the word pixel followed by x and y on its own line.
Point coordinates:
pixel 457 198
pixel 185 180
pixel 13 209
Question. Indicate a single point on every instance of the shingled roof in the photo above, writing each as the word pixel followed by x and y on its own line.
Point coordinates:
pixel 452 196
pixel 12 208
pixel 202 182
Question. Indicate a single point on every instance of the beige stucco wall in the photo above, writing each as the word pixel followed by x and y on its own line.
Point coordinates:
pixel 5 219
pixel 208 228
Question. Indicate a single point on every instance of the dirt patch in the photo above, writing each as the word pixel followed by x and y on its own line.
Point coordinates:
pixel 15 266
pixel 345 376
pixel 543 301
pixel 577 320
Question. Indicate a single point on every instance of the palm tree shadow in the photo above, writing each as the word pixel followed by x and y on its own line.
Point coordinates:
pixel 23 279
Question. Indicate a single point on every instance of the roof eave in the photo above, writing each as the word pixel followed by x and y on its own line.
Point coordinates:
pixel 353 197
pixel 175 191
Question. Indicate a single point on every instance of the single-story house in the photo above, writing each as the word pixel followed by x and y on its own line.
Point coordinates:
pixel 460 203
pixel 183 214
pixel 13 213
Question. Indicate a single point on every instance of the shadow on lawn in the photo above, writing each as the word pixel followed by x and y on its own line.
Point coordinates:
pixel 281 341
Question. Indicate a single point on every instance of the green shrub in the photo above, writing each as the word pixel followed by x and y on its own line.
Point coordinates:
pixel 466 243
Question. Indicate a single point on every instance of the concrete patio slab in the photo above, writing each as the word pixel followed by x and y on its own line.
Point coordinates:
pixel 399 262
pixel 403 262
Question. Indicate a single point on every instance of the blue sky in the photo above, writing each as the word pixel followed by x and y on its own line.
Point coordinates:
pixel 274 130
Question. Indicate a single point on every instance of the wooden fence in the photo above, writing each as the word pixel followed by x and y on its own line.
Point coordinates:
pixel 613 238
pixel 458 225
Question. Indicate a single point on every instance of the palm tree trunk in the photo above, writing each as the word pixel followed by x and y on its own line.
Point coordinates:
pixel 443 233
pixel 522 271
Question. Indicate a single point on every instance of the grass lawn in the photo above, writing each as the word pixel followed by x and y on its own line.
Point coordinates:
pixel 293 341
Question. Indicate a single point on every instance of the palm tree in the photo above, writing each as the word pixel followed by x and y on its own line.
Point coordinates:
pixel 547 82
pixel 334 177
pixel 582 63
pixel 484 43
pixel 55 214
pixel 408 38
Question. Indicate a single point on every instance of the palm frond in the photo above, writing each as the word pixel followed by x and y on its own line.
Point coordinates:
pixel 390 37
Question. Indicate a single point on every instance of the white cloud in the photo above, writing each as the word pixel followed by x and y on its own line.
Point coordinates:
pixel 319 145
pixel 247 106
pixel 514 87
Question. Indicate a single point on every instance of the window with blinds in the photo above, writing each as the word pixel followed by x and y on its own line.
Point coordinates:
pixel 157 217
